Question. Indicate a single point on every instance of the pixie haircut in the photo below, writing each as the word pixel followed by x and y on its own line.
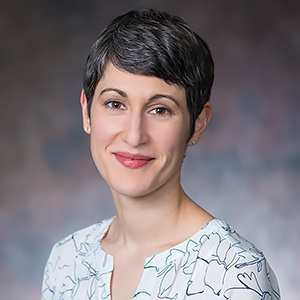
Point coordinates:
pixel 153 43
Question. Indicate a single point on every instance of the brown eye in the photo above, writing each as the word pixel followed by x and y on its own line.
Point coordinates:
pixel 161 111
pixel 115 105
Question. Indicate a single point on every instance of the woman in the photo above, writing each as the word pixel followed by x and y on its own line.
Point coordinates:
pixel 145 100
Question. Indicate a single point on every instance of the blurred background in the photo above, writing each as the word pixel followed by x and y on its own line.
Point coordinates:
pixel 245 170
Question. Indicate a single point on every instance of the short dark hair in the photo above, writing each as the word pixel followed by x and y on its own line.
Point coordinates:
pixel 154 43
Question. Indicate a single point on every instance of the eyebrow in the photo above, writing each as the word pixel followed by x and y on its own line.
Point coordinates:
pixel 154 97
pixel 121 93
pixel 157 96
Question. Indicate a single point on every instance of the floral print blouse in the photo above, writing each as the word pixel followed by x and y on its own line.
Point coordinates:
pixel 215 263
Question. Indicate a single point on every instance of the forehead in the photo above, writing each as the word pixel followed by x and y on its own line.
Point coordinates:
pixel 136 84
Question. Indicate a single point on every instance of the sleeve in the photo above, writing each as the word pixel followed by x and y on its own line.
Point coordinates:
pixel 255 281
pixel 48 285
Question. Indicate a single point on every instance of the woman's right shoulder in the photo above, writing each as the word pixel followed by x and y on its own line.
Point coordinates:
pixel 81 242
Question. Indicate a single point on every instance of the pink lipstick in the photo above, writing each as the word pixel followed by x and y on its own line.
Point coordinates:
pixel 132 161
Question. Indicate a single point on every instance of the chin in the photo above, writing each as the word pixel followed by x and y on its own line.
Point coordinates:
pixel 131 191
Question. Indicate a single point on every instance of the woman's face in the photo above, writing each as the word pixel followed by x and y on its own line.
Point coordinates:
pixel 139 127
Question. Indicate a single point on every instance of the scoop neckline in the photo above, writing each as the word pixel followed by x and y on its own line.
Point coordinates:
pixel 180 247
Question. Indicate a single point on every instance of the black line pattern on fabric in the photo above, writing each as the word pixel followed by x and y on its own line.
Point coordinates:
pixel 216 263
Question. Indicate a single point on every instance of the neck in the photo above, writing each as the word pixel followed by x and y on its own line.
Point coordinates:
pixel 143 219
pixel 156 222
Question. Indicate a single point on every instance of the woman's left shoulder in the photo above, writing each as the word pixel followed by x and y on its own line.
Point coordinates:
pixel 243 266
pixel 227 238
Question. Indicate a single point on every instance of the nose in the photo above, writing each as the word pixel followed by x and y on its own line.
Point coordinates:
pixel 134 132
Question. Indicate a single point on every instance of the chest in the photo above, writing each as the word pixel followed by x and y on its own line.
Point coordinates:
pixel 115 279
pixel 125 277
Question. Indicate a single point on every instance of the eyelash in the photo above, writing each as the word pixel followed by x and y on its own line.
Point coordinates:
pixel 153 111
pixel 166 110
pixel 110 104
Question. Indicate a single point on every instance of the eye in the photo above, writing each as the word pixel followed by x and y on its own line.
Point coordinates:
pixel 116 105
pixel 161 111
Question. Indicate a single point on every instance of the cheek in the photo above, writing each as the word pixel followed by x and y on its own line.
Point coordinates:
pixel 101 137
pixel 172 138
pixel 102 128
pixel 101 134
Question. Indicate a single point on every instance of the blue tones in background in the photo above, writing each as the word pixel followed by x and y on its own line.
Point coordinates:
pixel 245 170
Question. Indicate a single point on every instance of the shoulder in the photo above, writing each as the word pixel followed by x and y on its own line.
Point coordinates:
pixel 68 255
pixel 225 238
pixel 241 267
pixel 80 242
pixel 224 247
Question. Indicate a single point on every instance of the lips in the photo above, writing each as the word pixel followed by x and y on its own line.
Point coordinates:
pixel 132 161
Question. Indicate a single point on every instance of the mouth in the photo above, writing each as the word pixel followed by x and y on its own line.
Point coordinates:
pixel 132 161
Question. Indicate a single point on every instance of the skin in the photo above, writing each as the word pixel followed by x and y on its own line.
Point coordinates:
pixel 136 114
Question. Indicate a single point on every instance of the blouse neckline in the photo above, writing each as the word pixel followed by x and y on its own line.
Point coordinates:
pixel 174 252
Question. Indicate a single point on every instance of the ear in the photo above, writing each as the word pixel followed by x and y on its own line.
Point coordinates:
pixel 201 123
pixel 85 113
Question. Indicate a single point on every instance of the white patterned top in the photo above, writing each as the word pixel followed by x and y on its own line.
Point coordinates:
pixel 215 263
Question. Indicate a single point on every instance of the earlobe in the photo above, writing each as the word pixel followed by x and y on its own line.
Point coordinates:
pixel 85 113
pixel 201 123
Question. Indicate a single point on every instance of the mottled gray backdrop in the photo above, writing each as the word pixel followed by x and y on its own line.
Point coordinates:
pixel 245 169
